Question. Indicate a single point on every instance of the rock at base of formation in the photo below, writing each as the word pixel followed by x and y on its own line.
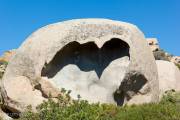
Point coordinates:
pixel 169 76
pixel 4 116
pixel 102 60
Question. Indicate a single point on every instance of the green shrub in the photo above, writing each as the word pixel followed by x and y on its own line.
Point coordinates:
pixel 66 109
pixel 171 96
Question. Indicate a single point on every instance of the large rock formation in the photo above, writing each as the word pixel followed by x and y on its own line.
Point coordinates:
pixel 169 76
pixel 102 60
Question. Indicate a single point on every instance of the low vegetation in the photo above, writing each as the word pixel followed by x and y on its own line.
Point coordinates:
pixel 66 109
pixel 161 55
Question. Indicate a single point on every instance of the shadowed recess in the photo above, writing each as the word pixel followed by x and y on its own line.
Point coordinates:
pixel 131 84
pixel 88 57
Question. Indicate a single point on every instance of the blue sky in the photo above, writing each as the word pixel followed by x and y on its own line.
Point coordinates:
pixel 156 18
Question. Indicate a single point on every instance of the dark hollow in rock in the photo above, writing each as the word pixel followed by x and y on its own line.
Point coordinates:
pixel 10 112
pixel 132 83
pixel 87 56
pixel 119 97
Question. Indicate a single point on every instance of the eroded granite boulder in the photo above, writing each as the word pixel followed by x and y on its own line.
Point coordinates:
pixel 101 60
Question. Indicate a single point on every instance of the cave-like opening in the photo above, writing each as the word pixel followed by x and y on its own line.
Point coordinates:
pixel 87 56
pixel 71 67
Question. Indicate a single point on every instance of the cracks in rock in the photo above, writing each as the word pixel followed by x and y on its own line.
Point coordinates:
pixel 8 109
pixel 7 105
pixel 38 87
pixel 11 112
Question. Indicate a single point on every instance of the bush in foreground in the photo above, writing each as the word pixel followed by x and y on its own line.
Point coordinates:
pixel 65 109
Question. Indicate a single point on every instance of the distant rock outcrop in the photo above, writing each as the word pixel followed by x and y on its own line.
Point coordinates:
pixel 153 43
pixel 4 59
pixel 7 55
pixel 160 54
pixel 102 60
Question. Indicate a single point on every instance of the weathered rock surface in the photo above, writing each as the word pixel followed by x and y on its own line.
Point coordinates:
pixel 102 60
pixel 153 43
pixel 176 59
pixel 169 76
